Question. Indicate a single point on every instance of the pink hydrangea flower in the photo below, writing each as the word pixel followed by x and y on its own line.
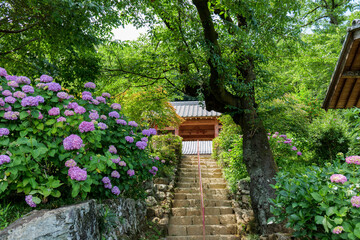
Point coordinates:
pixel 4 159
pixel 13 84
pixel 19 94
pixel 61 119
pixel 69 113
pixel 338 230
pixel 116 106
pixel 22 80
pixel 70 163
pixel 80 110
pixel 355 201
pixel 107 95
pixel 353 160
pixel 62 95
pixel 54 111
pixel 338 178
pixel 122 164
pixel 3 72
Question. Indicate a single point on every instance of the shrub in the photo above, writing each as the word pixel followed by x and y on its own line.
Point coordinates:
pixel 320 203
pixel 53 145
pixel 168 150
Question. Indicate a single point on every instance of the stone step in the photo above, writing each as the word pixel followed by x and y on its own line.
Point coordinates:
pixel 205 191
pixel 186 230
pixel 197 203
pixel 196 211
pixel 209 220
pixel 205 185
pixel 203 175
pixel 187 196
pixel 196 170
pixel 204 180
pixel 207 237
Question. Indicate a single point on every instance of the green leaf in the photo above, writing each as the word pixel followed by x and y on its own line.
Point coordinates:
pixel 36 200
pixel 5 142
pixel 23 115
pixel 35 114
pixel 330 211
pixel 50 122
pixel 316 196
pixel 357 230
pixel 319 219
pixel 56 193
pixel 338 221
pixel 40 126
pixel 343 211
pixel 75 190
pixel 3 186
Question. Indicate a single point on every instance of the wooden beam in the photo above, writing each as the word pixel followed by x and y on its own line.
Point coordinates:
pixel 351 74
pixel 199 122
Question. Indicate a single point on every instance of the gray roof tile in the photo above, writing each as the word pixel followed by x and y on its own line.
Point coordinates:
pixel 193 109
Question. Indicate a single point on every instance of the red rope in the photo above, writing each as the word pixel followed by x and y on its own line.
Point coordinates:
pixel 201 191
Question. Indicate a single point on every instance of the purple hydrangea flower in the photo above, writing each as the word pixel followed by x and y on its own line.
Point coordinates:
pixel 115 190
pixel 86 127
pixel 129 139
pixel 157 158
pixel 115 174
pixel 141 145
pixel 87 97
pixel 45 78
pixel 122 164
pixel 114 114
pixel 86 93
pixel 146 132
pixel 4 159
pixel 355 201
pixel 93 115
pixel 338 230
pixel 11 78
pixel 282 136
pixel 29 201
pixel 3 72
pixel 27 89
pixel 23 80
pixel 90 85
pixel 6 93
pixel 80 110
pixel 40 116
pixel 294 148
pixel 103 117
pixel 95 102
pixel 19 94
pixel 77 174
pixel 62 95
pixel 69 113
pixel 116 106
pixel 29 101
pixel 338 178
pixel 107 95
pixel 54 111
pixel 13 84
pixel 112 149
pixel 53 86
pixel 153 170
pixel 353 160
pixel 115 160
pixel 70 163
pixel 130 172
pixel 72 142
pixel 40 99
pixel 4 131
pixel 163 161
pixel 102 126
pixel 10 115
pixel 121 122
pixel 10 99
pixel 61 119
pixel 299 153
pixel 108 185
pixel 101 99
pixel 106 180
pixel 144 139
pixel 133 124
pixel 73 105
pixel 2 102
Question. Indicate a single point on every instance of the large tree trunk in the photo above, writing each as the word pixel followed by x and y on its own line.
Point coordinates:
pixel 261 167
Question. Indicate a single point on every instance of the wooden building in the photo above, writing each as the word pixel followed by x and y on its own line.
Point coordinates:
pixel 344 89
pixel 199 124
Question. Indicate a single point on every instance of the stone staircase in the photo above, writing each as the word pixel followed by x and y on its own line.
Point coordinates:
pixel 186 219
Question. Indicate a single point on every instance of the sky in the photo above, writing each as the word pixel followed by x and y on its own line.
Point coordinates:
pixel 128 33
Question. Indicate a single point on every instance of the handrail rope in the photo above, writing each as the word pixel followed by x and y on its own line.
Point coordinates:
pixel 201 190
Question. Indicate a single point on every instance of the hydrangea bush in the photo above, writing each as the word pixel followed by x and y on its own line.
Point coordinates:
pixel 53 145
pixel 321 203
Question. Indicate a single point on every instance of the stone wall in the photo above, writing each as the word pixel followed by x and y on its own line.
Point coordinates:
pixel 112 219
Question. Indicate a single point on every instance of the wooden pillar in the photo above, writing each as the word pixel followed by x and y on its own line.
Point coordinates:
pixel 216 129
pixel 176 131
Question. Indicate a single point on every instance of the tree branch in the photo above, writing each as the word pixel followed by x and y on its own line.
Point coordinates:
pixel 315 20
pixel 18 48
pixel 18 31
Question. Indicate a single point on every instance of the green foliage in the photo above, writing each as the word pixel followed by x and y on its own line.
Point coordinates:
pixel 55 37
pixel 313 206
pixel 168 148
pixel 35 146
pixel 329 135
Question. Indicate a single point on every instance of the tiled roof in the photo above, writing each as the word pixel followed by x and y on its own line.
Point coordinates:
pixel 193 109
pixel 190 147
